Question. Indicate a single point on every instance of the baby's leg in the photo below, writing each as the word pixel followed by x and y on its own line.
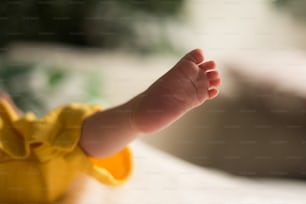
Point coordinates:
pixel 187 85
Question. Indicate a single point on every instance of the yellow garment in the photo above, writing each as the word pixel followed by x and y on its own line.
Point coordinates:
pixel 40 157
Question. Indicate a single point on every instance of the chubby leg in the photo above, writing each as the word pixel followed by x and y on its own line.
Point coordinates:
pixel 187 85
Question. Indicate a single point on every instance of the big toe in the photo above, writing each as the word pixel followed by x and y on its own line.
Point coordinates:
pixel 196 56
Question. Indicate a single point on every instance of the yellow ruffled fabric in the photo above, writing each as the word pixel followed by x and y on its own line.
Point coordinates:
pixel 39 157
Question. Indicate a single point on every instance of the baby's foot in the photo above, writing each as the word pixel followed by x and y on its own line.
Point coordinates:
pixel 187 85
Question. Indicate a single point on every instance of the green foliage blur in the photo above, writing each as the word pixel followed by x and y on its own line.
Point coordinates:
pixel 296 8
pixel 14 80
pixel 106 24
pixel 33 87
pixel 100 23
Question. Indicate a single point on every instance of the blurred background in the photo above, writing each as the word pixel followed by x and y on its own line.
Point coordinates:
pixel 106 51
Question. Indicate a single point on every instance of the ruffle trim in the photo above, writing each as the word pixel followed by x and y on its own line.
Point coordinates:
pixel 57 135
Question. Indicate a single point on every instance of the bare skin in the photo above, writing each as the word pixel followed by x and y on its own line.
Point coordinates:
pixel 187 85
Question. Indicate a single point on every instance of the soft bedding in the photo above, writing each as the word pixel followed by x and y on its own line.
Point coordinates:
pixel 161 178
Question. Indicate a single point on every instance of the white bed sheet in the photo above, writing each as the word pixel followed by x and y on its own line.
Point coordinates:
pixel 161 178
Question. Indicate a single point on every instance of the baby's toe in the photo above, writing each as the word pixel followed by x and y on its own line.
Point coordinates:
pixel 209 65
pixel 212 93
pixel 214 78
pixel 215 82
pixel 213 75
pixel 196 56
